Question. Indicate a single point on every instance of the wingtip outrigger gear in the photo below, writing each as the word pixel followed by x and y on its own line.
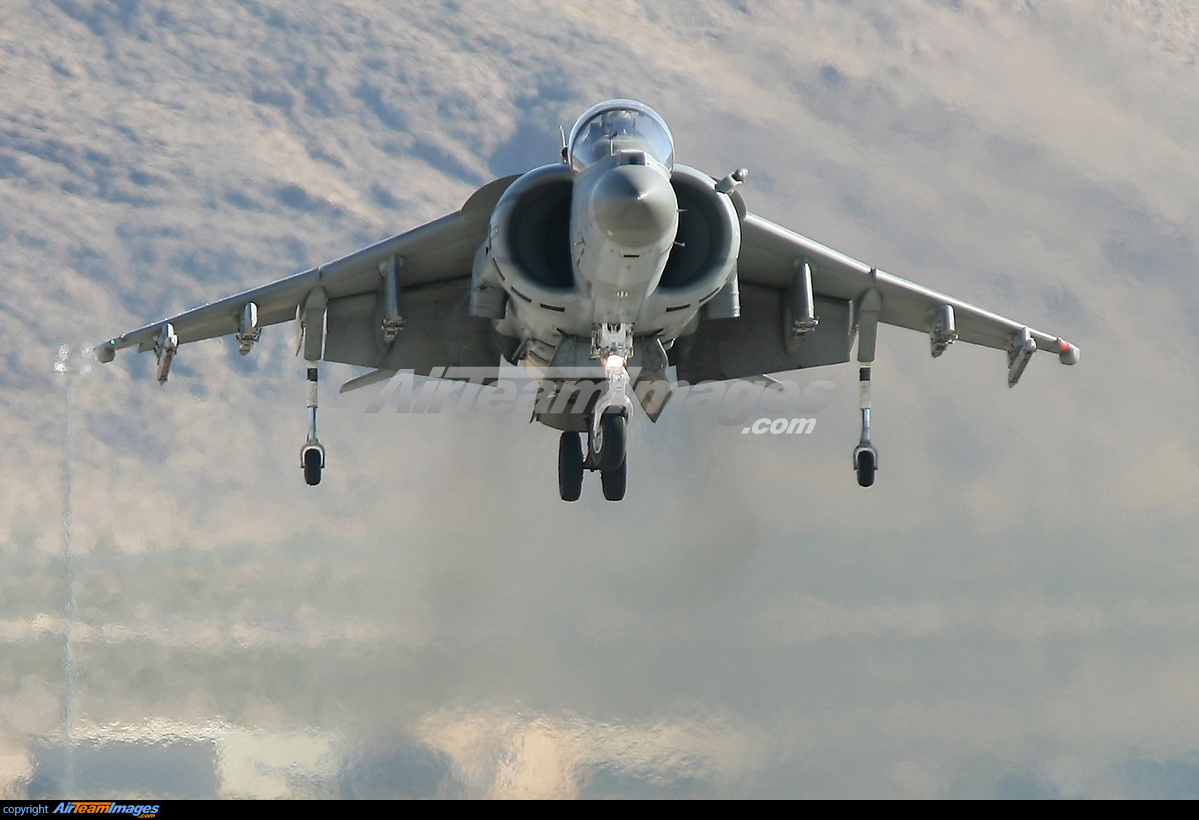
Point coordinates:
pixel 312 341
pixel 865 457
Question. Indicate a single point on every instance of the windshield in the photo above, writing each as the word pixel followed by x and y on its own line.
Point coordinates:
pixel 619 125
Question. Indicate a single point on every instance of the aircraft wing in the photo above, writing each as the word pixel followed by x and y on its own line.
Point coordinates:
pixel 433 263
pixel 841 290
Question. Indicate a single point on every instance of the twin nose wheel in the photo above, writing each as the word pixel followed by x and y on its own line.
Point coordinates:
pixel 606 452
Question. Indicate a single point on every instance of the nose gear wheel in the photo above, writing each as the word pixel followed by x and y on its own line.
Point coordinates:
pixel 608 446
pixel 570 466
pixel 614 481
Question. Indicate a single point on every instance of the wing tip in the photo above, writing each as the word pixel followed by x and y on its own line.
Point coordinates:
pixel 1067 353
pixel 105 352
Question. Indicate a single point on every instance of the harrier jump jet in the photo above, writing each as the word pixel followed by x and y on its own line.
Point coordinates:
pixel 615 262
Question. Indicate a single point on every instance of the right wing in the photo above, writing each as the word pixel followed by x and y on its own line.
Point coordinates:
pixel 768 257
pixel 434 268
pixel 843 291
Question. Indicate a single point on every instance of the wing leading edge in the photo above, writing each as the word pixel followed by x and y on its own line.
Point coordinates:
pixel 434 254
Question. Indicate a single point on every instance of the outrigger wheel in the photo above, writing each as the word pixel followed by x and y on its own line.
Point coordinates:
pixel 312 459
pixel 865 461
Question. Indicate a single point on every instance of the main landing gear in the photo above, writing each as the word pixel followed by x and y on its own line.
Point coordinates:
pixel 606 453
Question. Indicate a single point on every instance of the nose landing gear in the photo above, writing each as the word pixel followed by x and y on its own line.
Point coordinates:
pixel 609 453
pixel 606 454
pixel 570 466
pixel 614 481
pixel 607 443
pixel 607 429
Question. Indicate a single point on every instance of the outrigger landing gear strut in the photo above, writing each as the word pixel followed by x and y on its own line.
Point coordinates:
pixel 312 341
pixel 865 457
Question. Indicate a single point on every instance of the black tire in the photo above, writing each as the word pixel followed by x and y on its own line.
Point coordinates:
pixel 614 481
pixel 312 466
pixel 867 464
pixel 570 467
pixel 611 443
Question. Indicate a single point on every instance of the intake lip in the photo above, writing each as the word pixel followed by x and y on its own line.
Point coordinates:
pixel 634 206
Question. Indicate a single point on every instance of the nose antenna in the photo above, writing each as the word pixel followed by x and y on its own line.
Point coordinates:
pixel 562 131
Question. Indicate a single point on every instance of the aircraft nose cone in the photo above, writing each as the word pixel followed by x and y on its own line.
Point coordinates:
pixel 634 206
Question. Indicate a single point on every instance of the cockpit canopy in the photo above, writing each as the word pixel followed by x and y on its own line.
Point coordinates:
pixel 619 125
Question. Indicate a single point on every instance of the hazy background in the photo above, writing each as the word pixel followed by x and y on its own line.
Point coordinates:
pixel 1010 611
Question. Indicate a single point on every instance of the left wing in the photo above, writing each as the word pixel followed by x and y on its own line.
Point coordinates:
pixel 353 310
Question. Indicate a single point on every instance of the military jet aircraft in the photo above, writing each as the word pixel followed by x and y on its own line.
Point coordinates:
pixel 614 261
